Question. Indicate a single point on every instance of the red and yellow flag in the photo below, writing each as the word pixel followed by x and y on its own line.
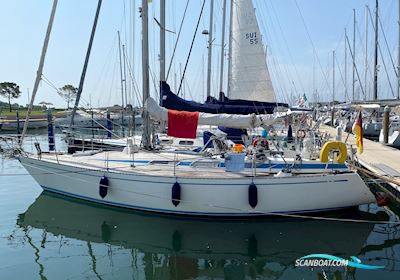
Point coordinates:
pixel 358 132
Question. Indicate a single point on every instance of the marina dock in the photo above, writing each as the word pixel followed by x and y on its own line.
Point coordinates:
pixel 380 159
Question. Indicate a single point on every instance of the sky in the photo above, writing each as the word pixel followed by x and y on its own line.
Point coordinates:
pixel 300 36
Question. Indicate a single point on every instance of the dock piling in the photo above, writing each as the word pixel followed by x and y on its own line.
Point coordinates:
pixel 50 130
pixel 386 112
pixel 109 124
pixel 18 127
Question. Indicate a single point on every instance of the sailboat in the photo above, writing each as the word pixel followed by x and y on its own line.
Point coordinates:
pixel 188 184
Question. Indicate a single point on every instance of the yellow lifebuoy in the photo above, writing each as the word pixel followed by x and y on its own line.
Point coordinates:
pixel 329 147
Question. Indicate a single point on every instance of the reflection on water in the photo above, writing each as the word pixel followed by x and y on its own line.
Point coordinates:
pixel 162 247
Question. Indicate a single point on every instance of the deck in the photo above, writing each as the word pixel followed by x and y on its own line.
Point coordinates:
pixel 381 159
pixel 146 163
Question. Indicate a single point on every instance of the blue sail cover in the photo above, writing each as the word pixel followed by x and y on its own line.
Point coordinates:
pixel 170 100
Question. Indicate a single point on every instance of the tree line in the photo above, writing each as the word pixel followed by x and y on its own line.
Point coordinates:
pixel 11 91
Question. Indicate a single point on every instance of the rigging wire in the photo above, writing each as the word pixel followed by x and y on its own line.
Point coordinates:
pixel 383 59
pixel 134 83
pixel 154 80
pixel 113 78
pixel 177 39
pixel 277 67
pixel 286 45
pixel 312 44
pixel 191 46
pixel 100 83
pixel 387 46
pixel 355 67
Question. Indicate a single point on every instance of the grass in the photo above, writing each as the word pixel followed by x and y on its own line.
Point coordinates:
pixel 22 113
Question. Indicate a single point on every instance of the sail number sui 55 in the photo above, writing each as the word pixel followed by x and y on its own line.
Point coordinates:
pixel 252 37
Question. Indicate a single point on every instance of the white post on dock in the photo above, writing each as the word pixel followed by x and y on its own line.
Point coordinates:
pixel 339 133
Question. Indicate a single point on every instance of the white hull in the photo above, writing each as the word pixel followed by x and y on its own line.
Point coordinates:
pixel 394 136
pixel 372 129
pixel 86 121
pixel 12 125
pixel 219 196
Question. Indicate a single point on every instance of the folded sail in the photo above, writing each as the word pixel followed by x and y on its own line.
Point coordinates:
pixel 228 120
pixel 248 74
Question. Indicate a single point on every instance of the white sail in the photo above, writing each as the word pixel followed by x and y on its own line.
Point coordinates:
pixel 248 74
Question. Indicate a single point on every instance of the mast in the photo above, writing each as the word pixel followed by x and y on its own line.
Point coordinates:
pixel 354 53
pixel 145 75
pixel 398 56
pixel 162 54
pixel 375 97
pixel 124 58
pixel 133 47
pixel 210 39
pixel 120 70
pixel 162 41
pixel 313 80
pixel 333 78
pixel 78 95
pixel 366 52
pixel 345 64
pixel 40 68
pixel 230 51
pixel 221 77
pixel 333 89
